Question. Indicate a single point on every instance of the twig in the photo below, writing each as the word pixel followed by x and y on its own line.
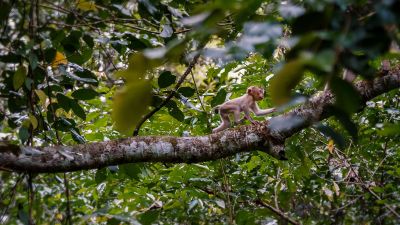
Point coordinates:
pixel 68 219
pixel 12 195
pixel 276 189
pixel 365 186
pixel 226 186
pixel 30 199
pixel 173 92
pixel 201 102
pixel 278 212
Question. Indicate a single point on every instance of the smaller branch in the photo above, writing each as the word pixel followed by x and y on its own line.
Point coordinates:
pixel 366 187
pixel 30 199
pixel 157 108
pixel 68 219
pixel 201 102
pixel 348 204
pixel 227 188
pixel 58 9
pixel 278 212
pixel 276 189
pixel 12 200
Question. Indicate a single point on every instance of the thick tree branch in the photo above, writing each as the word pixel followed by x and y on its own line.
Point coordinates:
pixel 269 136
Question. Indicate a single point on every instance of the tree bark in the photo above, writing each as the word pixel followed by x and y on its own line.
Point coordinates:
pixel 268 136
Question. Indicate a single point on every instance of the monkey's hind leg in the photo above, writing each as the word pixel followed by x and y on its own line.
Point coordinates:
pixel 225 123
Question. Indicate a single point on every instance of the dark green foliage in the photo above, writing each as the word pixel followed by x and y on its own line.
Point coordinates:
pixel 291 50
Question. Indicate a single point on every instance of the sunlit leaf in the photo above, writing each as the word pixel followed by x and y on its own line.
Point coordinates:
pixel 138 66
pixel 86 5
pixel 331 146
pixel 285 80
pixel 34 121
pixel 336 188
pixel 59 59
pixel 19 77
pixel 130 104
pixel 390 130
pixel 42 97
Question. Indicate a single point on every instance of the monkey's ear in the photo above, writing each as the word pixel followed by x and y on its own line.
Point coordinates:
pixel 250 89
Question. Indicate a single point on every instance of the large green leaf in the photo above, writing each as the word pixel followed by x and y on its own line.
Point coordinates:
pixel 219 98
pixel 166 79
pixel 139 65
pixel 84 94
pixel 186 91
pixel 19 77
pixel 130 104
pixel 285 80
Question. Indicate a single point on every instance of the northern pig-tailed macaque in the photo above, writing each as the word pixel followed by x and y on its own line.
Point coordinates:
pixel 245 103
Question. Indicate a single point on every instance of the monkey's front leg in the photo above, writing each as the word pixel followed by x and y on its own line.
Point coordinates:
pixel 247 116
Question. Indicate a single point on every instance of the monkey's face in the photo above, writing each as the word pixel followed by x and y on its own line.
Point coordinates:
pixel 256 92
pixel 259 94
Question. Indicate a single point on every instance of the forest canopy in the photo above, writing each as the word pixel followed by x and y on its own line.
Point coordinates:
pixel 107 110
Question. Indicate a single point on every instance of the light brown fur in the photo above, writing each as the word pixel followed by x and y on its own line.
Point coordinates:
pixel 244 103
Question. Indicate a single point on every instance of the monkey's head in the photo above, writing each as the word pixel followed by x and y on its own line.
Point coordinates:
pixel 256 92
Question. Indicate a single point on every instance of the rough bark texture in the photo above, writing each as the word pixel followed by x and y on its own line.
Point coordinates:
pixel 268 136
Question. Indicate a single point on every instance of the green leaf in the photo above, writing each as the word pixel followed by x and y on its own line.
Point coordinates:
pixel 323 61
pixel 345 119
pixel 77 137
pixel 23 134
pixel 132 170
pixel 177 114
pixel 101 175
pixel 79 76
pixel 186 91
pixel 390 130
pixel 19 77
pixel 138 66
pixel 86 76
pixel 228 68
pixel 84 94
pixel 88 40
pixel 63 124
pixel 77 109
pixel 64 102
pixel 135 43
pixel 285 80
pixel 33 60
pixel 4 11
pixel 81 56
pixel 347 98
pixel 149 217
pixel 166 79
pixel 219 98
pixel 130 104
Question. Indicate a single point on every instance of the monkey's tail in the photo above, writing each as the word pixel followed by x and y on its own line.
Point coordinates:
pixel 216 109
